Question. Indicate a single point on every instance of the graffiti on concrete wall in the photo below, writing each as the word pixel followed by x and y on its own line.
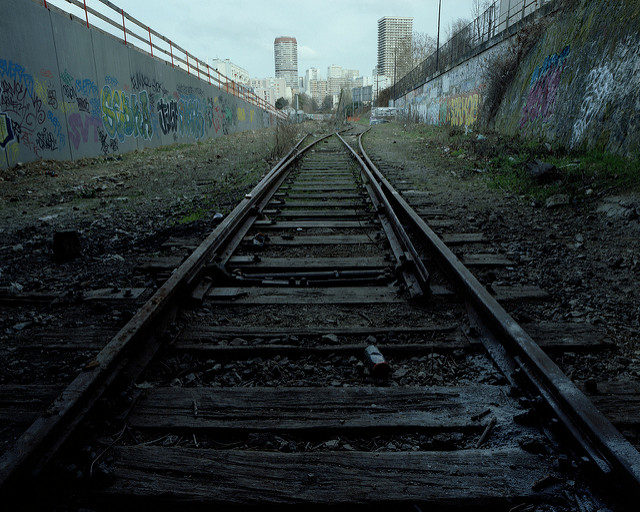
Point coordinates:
pixel 543 88
pixel 126 115
pixel 462 110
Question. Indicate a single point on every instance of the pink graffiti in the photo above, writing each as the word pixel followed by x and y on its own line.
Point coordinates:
pixel 541 100
pixel 79 129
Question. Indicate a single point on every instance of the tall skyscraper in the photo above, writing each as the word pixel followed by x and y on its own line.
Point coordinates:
pixel 393 34
pixel 285 51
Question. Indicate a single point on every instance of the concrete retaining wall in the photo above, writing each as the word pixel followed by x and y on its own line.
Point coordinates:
pixel 578 87
pixel 68 91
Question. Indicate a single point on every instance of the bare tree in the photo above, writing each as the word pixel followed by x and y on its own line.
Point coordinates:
pixel 409 52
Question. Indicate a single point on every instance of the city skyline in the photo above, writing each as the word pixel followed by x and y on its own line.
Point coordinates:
pixel 324 38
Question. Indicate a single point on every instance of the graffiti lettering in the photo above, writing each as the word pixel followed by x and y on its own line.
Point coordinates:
pixel 140 81
pixel 6 130
pixel 543 88
pixel 109 80
pixel 16 99
pixel 58 127
pixel 106 143
pixel 68 91
pixel 168 116
pixel 83 104
pixel 463 110
pixel 16 72
pixel 79 129
pixel 52 100
pixel 46 140
pixel 126 115
pixel 46 73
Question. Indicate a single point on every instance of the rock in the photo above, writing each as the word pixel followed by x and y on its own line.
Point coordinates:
pixel 17 248
pixel 332 444
pixel 557 200
pixel 237 342
pixel 66 245
pixel 541 172
pixel 218 217
pixel 332 339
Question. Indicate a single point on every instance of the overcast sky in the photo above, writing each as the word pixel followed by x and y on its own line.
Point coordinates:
pixel 342 32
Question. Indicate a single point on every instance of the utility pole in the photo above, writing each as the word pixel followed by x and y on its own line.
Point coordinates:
pixel 438 43
pixel 395 60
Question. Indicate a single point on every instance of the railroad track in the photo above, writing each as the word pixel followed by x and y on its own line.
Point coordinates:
pixel 323 347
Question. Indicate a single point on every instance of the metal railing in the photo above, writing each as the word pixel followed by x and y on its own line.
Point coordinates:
pixel 495 20
pixel 117 22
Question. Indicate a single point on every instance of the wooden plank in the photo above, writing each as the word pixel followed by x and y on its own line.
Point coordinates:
pixel 316 409
pixel 338 295
pixel 287 296
pixel 389 350
pixel 439 223
pixel 206 333
pixel 311 224
pixel 623 410
pixel 321 188
pixel 21 404
pixel 159 263
pixel 486 260
pixel 463 238
pixel 347 203
pixel 328 195
pixel 287 213
pixel 64 338
pixel 568 336
pixel 504 293
pixel 468 479
pixel 301 264
pixel 302 240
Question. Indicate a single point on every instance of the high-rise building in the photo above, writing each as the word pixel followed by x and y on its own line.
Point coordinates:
pixel 310 74
pixel 285 51
pixel 318 90
pixel 393 34
pixel 230 70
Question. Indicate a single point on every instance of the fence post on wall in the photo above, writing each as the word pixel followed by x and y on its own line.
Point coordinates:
pixel 524 5
pixel 198 68
pixel 209 74
pixel 508 14
pixel 124 29
pixel 187 54
pixel 86 14
pixel 171 51
pixel 45 4
pixel 150 44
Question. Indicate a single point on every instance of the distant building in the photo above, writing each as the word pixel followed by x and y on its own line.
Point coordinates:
pixel 339 78
pixel 310 74
pixel 318 90
pixel 362 94
pixel 230 70
pixel 392 33
pixel 285 50
pixel 270 89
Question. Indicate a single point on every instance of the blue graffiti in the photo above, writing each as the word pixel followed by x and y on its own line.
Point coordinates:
pixel 109 80
pixel 17 72
pixel 551 62
pixel 58 127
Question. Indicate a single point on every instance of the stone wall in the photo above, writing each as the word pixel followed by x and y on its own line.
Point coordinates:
pixel 579 86
pixel 68 91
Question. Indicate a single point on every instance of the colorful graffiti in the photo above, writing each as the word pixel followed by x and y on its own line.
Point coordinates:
pixel 126 115
pixel 6 131
pixel 462 110
pixel 80 127
pixel 543 88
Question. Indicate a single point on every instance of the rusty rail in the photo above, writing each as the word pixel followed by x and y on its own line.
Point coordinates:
pixel 606 446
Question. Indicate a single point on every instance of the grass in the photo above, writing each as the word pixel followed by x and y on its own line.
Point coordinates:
pixel 502 161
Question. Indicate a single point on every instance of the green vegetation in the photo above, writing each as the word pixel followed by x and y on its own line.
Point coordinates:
pixel 502 162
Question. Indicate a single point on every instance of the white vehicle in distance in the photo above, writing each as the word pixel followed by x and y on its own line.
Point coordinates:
pixel 383 114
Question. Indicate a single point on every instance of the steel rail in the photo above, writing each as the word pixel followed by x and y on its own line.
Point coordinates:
pixel 421 272
pixel 587 425
pixel 39 443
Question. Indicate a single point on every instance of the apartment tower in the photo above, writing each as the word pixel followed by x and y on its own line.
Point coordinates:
pixel 393 33
pixel 285 51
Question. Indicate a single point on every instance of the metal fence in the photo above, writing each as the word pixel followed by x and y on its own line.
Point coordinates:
pixel 494 21
pixel 107 16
